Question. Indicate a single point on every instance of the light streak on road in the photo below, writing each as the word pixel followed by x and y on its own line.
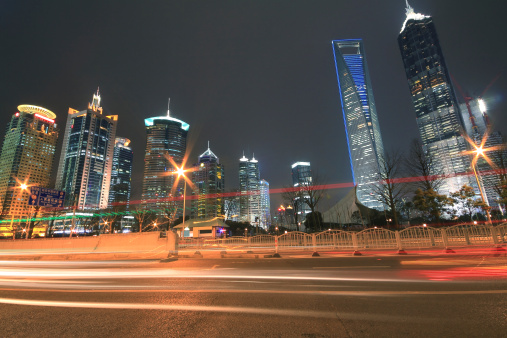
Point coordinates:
pixel 223 309
pixel 289 275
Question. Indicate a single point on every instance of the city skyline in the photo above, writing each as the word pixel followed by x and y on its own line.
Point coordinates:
pixel 273 108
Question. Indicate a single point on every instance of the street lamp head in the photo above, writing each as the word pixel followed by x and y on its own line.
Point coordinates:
pixel 180 171
pixel 479 151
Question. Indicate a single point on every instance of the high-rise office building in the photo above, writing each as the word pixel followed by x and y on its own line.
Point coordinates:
pixel 302 177
pixel 249 177
pixel 27 157
pixel 121 174
pixel 86 160
pixel 265 205
pixel 436 108
pixel 208 178
pixel 477 127
pixel 366 149
pixel 166 145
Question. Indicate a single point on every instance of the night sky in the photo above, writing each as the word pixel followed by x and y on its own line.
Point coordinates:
pixel 255 75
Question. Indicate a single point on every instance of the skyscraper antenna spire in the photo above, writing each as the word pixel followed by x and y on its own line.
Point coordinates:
pixel 168 107
pixel 208 144
pixel 95 100
pixel 409 8
pixel 411 15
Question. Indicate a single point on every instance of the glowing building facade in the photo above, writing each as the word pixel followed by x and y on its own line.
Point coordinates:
pixel 27 157
pixel 86 160
pixel 166 145
pixel 436 108
pixel 249 179
pixel 121 174
pixel 208 178
pixel 301 177
pixel 362 128
pixel 265 204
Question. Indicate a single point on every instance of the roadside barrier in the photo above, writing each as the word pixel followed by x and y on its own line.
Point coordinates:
pixel 147 243
pixel 416 237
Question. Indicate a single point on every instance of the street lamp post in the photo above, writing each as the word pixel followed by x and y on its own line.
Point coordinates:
pixel 479 152
pixel 184 202
pixel 181 172
pixel 22 187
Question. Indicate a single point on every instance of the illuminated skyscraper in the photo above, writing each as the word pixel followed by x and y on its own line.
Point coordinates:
pixel 366 149
pixel 27 157
pixel 86 160
pixel 121 174
pixel 249 177
pixel 265 204
pixel 436 108
pixel 208 178
pixel 166 137
pixel 302 176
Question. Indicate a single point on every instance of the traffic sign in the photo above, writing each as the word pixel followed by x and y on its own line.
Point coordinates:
pixel 45 197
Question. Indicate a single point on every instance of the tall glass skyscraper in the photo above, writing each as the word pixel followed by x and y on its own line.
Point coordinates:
pixel 86 160
pixel 366 149
pixel 27 157
pixel 436 108
pixel 166 137
pixel 208 178
pixel 121 174
pixel 265 204
pixel 249 178
pixel 302 176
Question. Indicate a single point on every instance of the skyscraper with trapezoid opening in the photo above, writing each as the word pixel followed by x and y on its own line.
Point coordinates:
pixel 366 149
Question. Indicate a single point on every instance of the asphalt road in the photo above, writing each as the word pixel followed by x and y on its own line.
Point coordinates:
pixel 375 296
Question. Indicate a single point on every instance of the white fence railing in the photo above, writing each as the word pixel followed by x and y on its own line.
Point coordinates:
pixel 373 238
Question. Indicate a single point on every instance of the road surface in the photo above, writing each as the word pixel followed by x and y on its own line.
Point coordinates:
pixel 369 296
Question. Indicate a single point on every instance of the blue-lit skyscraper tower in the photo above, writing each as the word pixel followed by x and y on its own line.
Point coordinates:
pixel 366 149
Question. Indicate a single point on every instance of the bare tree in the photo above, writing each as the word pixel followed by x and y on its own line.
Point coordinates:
pixel 293 196
pixel 312 194
pixel 388 188
pixel 422 168
pixel 143 217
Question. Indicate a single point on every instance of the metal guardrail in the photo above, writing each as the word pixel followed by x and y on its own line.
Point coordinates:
pixel 419 237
